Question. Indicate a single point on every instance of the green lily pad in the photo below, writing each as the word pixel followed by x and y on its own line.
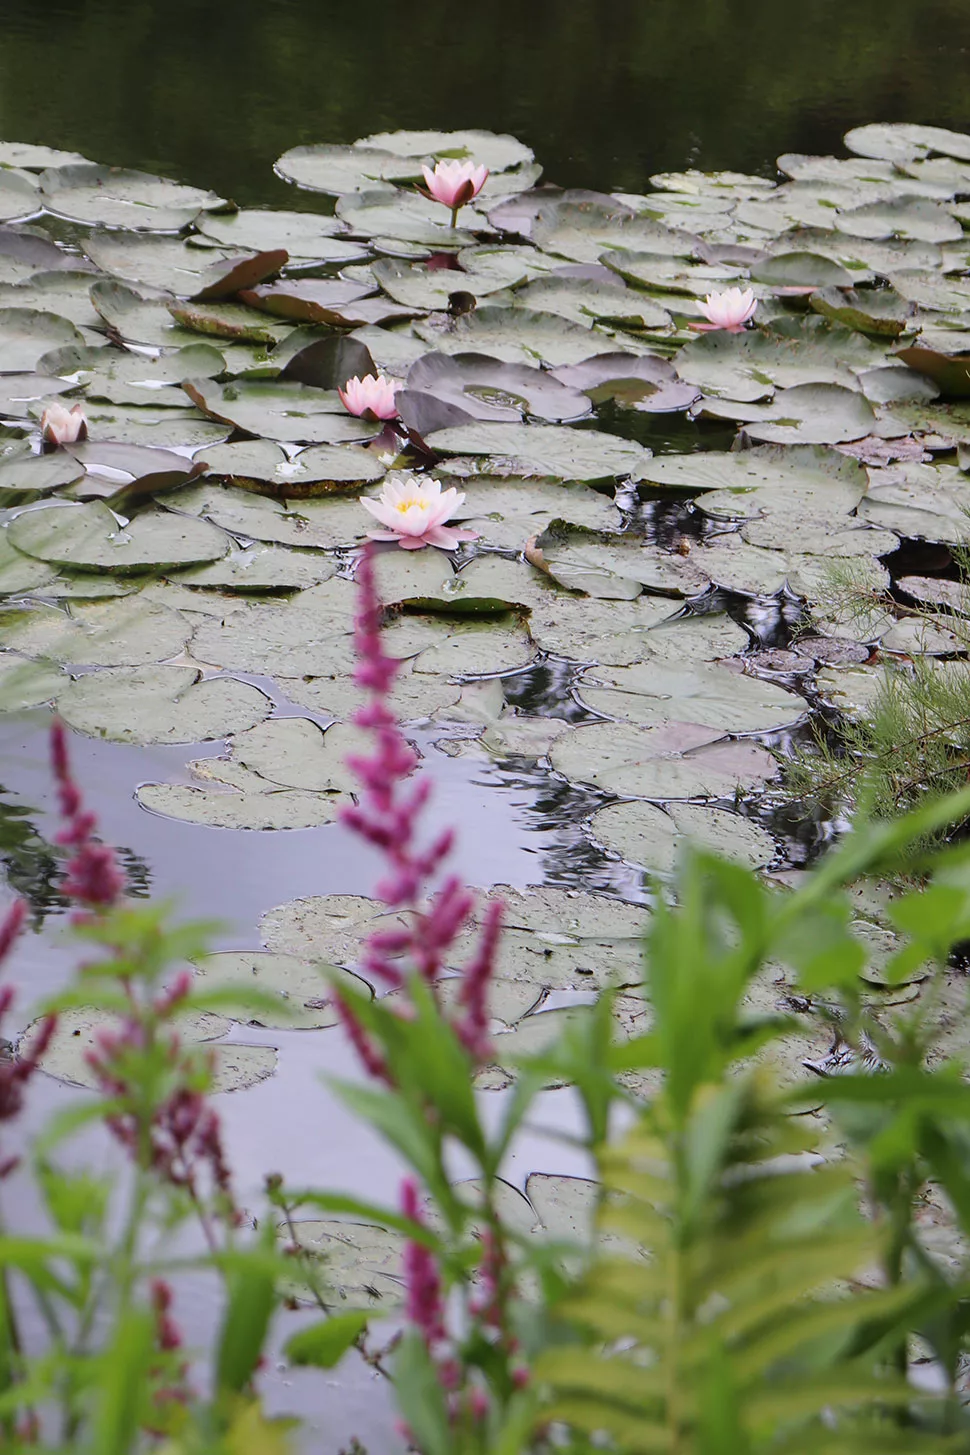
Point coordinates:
pixel 90 538
pixel 909 217
pixel 87 192
pixel 653 837
pixel 79 1030
pixel 27 684
pixel 137 319
pixel 492 390
pixel 421 289
pixel 354 1262
pixel 258 568
pixel 708 694
pixel 801 270
pixel 292 752
pixel 742 479
pixel 310 472
pixel 325 927
pixel 27 334
pixel 614 569
pixel 792 353
pixel 518 336
pixel 904 142
pixel 499 152
pixel 108 634
pixel 402 216
pixel 160 705
pixel 569 454
pixel 804 414
pixel 304 235
pixel 21 470
pixel 220 809
pixel 644 762
pixel 872 311
pixel 413 697
pixel 303 988
pixel 312 524
pixel 304 638
pixel 19 195
pixel 582 230
pixel 338 170
pixel 279 411
pixel 950 372
pixel 585 301
pixel 233 321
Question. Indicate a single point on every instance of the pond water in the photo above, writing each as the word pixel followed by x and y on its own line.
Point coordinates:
pixel 604 91
pixel 607 95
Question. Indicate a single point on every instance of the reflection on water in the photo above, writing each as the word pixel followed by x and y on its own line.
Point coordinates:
pixel 606 91
pixel 33 867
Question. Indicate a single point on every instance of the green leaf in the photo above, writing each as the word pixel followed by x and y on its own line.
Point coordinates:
pixel 250 1302
pixel 324 1344
pixel 420 1396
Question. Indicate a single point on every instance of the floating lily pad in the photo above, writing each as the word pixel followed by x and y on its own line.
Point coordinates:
pixel 569 454
pixel 27 334
pixel 495 150
pixel 803 352
pixel 292 640
pixel 293 752
pixel 403 216
pixel 221 809
pixel 653 837
pixel 109 634
pixel 904 142
pixel 341 169
pixel 302 985
pixel 517 336
pixel 87 192
pixel 644 762
pixel 79 1031
pixel 355 1263
pixel 160 705
pixel 304 235
pixel 279 411
pixel 909 217
pixel 875 311
pixel 805 414
pixel 616 568
pixel 492 390
pixel 257 569
pixel 658 693
pixel 91 538
pixel 21 470
pixel 312 471
pixel 27 684
pixel 310 524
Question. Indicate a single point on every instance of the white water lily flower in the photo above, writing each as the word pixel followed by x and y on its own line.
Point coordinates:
pixel 60 426
pixel 414 512
pixel 729 310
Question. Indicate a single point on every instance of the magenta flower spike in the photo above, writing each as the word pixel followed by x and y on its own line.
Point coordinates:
pixel 730 310
pixel 413 512
pixel 454 183
pixel 371 397
pixel 60 426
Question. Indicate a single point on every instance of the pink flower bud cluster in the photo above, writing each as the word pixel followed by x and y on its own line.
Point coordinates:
pixel 170 1376
pixel 94 879
pixel 185 1137
pixel 389 817
pixel 16 1071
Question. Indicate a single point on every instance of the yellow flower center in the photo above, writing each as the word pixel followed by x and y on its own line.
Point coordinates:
pixel 405 505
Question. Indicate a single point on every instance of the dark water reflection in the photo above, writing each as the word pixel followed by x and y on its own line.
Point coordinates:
pixel 606 91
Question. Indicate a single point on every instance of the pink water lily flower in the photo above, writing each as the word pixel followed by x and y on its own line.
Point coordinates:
pixel 60 426
pixel 454 183
pixel 372 396
pixel 414 512
pixel 729 310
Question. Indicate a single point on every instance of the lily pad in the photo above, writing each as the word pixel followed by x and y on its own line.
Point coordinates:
pixel 87 192
pixel 805 414
pixel 403 216
pixel 715 696
pixel 160 705
pixel 517 336
pixel 904 142
pixel 653 837
pixel 303 987
pixel 312 471
pixel 304 235
pixel 496 150
pixel 279 411
pixel 569 454
pixel 108 634
pixel 292 752
pixel 79 1030
pixel 644 762
pixel 256 569
pixel 221 809
pixel 355 1262
pixel 27 334
pixel 91 538
pixel 873 311
pixel 492 390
